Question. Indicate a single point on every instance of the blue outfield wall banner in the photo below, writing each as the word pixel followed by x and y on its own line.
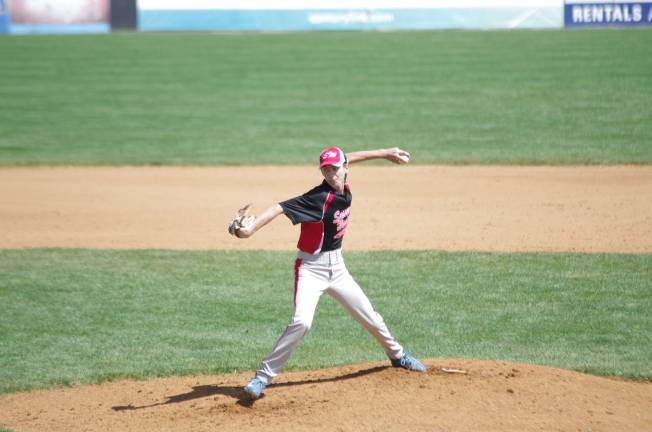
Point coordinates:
pixel 347 19
pixel 25 29
pixel 4 17
pixel 393 19
pixel 293 15
pixel 607 14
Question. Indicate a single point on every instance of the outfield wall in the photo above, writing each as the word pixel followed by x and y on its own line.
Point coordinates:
pixel 4 17
pixel 591 13
pixel 56 16
pixel 100 16
pixel 293 15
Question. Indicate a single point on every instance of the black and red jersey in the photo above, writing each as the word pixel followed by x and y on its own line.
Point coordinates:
pixel 323 214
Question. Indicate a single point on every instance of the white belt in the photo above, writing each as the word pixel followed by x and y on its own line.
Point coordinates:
pixel 327 258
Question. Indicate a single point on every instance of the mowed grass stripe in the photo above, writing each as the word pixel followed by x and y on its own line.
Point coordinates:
pixel 517 97
pixel 82 316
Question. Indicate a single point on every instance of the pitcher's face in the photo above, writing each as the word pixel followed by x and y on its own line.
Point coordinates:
pixel 335 176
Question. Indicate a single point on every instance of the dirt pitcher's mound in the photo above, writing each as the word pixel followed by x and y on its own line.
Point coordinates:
pixel 471 396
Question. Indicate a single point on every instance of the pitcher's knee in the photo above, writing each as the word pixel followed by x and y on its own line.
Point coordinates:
pixel 301 325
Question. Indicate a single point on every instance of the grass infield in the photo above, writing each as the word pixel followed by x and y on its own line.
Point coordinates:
pixel 85 316
pixel 514 97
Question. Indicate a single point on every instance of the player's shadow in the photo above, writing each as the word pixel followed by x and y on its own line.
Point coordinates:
pixel 202 391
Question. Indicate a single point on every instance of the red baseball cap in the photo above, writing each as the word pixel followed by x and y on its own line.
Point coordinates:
pixel 332 156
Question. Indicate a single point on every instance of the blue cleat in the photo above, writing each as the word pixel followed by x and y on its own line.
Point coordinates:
pixel 255 387
pixel 410 363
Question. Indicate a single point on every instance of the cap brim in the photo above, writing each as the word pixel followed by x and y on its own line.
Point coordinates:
pixel 327 163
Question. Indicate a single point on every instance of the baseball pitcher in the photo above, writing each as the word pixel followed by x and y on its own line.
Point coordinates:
pixel 323 213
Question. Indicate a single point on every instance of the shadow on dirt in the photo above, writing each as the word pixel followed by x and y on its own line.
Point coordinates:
pixel 202 391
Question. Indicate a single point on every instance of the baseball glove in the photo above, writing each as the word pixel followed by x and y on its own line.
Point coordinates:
pixel 241 220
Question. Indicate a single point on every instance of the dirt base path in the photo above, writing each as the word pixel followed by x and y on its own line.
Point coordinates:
pixel 490 396
pixel 591 209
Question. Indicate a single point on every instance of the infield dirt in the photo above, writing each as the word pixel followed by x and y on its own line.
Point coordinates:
pixel 580 209
pixel 487 208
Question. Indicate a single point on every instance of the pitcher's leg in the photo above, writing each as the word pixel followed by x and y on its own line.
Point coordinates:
pixel 308 288
pixel 349 294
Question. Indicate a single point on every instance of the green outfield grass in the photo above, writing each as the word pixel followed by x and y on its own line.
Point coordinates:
pixel 80 316
pixel 535 97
